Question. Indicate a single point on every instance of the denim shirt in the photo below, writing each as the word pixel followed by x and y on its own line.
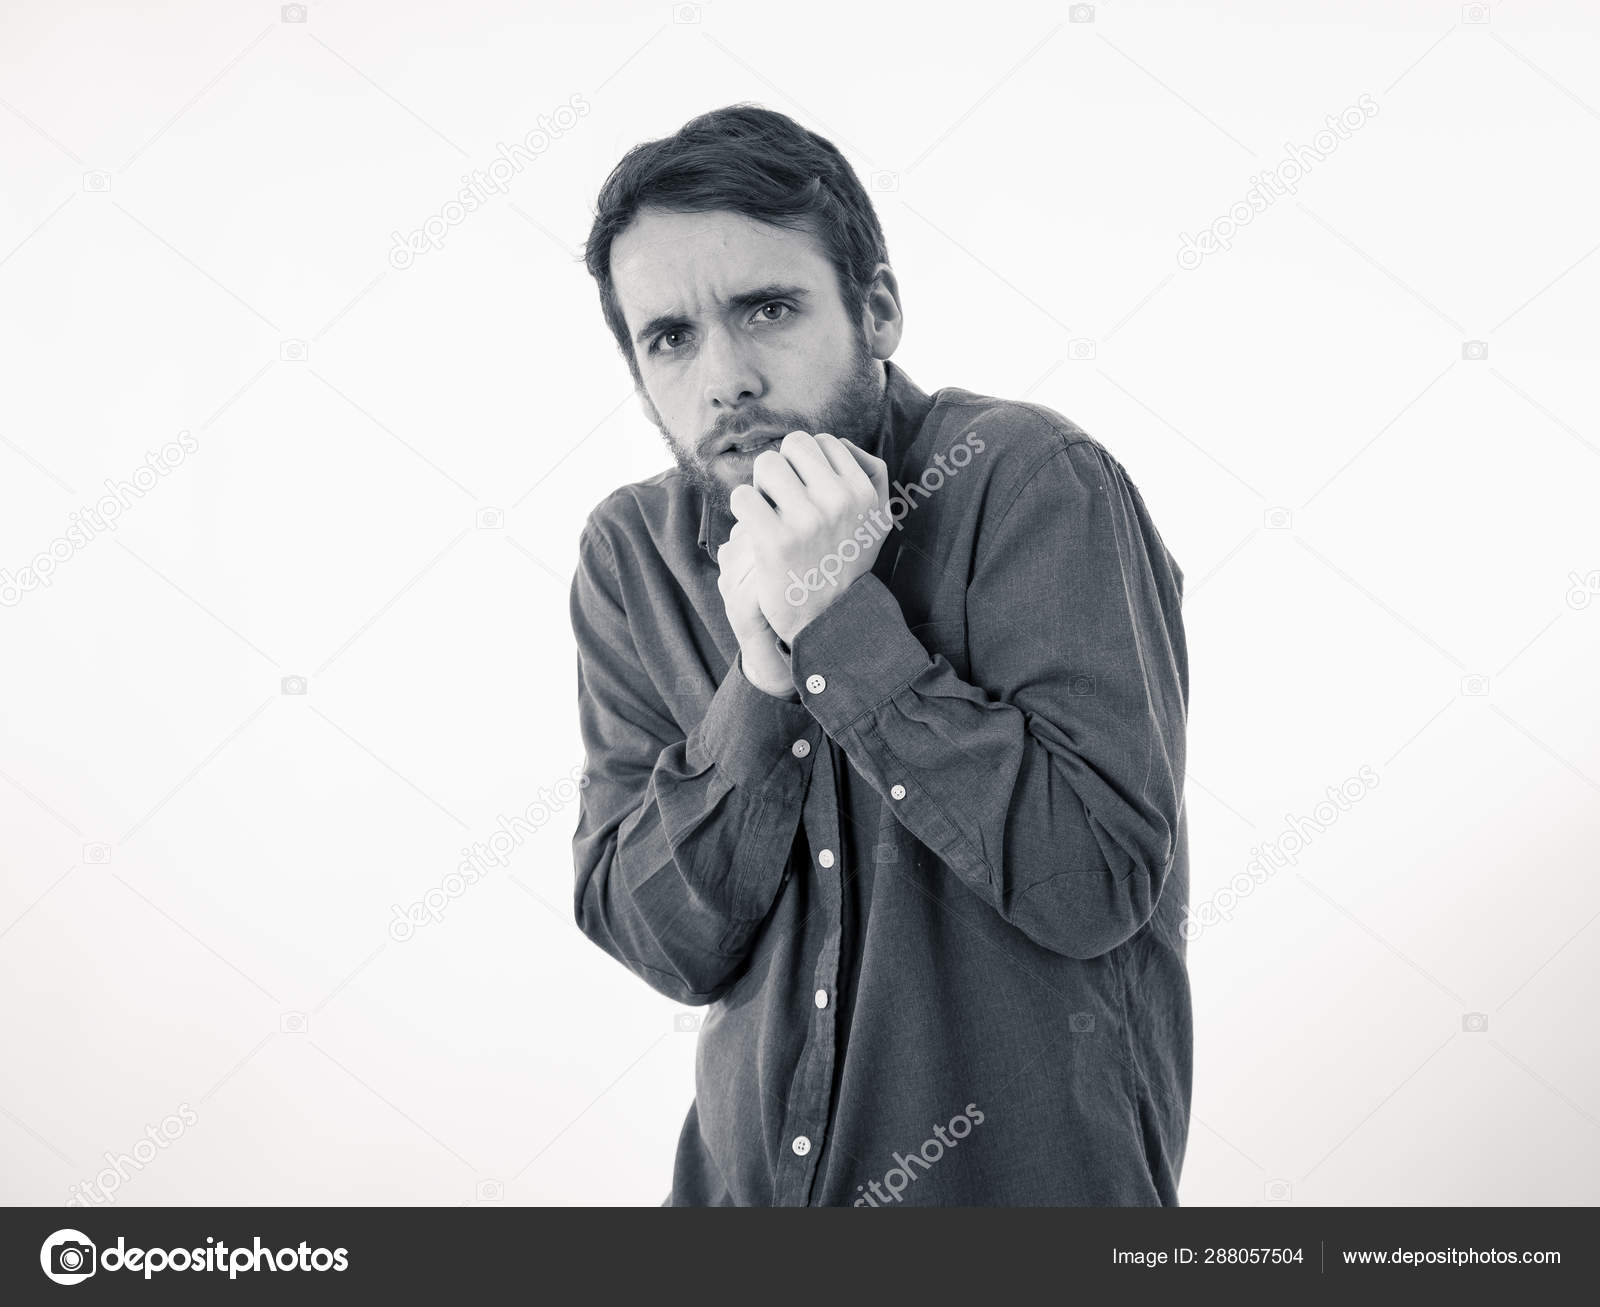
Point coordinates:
pixel 933 908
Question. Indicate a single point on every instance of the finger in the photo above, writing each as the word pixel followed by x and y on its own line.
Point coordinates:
pixel 875 468
pixel 807 458
pixel 863 460
pixel 735 571
pixel 747 505
pixel 776 478
pixel 844 466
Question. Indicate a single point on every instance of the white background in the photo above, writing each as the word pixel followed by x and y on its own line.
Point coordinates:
pixel 197 870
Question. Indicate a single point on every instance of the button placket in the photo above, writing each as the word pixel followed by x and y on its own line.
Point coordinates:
pixel 812 1106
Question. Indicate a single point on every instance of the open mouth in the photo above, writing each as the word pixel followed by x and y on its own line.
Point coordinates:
pixel 753 445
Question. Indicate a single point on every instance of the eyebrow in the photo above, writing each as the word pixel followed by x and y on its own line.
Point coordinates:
pixel 748 299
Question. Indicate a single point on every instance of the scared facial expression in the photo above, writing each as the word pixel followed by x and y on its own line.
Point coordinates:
pixel 741 336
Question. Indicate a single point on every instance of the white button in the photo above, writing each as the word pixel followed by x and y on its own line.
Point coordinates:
pixel 897 792
pixel 816 684
pixel 800 748
pixel 822 998
pixel 801 1145
pixel 826 857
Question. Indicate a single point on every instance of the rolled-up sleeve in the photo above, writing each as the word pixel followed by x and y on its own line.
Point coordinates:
pixel 1051 780
pixel 682 837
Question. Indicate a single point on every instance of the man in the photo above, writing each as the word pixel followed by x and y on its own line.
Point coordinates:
pixel 883 699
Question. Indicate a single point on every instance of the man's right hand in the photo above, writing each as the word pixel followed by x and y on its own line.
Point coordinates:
pixel 764 667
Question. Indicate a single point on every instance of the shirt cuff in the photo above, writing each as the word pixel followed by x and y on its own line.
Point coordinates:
pixel 754 738
pixel 855 655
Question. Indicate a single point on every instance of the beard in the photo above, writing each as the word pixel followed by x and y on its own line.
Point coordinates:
pixel 854 412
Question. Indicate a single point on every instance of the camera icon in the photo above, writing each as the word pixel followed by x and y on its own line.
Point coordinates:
pixel 1277 519
pixel 293 685
pixel 884 180
pixel 1475 351
pixel 686 1022
pixel 1277 1191
pixel 1080 13
pixel 1080 687
pixel 72 1258
pixel 1474 13
pixel 293 13
pixel 97 854
pixel 686 13
pixel 490 1191
pixel 1080 1023
pixel 888 853
pixel 491 519
pixel 293 1023
pixel 1475 685
pixel 294 351
pixel 1584 589
pixel 97 181
pixel 1475 1023
pixel 68 1257
pixel 1081 350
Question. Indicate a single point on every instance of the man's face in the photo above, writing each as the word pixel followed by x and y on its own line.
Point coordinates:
pixel 741 337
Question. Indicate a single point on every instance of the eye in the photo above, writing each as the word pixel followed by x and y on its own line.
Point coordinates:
pixel 773 311
pixel 669 341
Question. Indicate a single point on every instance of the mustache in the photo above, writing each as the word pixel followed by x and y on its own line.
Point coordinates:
pixel 742 423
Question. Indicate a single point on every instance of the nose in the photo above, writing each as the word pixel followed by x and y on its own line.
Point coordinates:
pixel 729 374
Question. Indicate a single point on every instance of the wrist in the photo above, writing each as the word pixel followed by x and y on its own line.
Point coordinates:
pixel 796 618
pixel 776 681
pixel 783 690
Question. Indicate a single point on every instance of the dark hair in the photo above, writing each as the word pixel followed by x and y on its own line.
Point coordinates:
pixel 755 162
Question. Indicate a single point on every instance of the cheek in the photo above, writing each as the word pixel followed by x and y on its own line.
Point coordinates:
pixel 670 391
pixel 821 346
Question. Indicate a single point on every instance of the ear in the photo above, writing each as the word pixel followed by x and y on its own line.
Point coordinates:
pixel 881 319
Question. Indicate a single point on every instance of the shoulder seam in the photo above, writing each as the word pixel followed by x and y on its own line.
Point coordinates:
pixel 591 531
pixel 1036 469
pixel 1075 436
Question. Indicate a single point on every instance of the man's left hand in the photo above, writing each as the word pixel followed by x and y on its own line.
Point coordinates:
pixel 824 494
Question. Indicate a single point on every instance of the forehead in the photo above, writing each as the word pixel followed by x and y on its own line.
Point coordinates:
pixel 666 262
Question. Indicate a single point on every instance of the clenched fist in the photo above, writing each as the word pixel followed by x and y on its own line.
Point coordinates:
pixel 822 531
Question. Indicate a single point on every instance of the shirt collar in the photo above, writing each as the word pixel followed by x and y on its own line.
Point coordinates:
pixel 907 406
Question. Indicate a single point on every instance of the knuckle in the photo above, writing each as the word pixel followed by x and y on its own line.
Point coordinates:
pixel 832 504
